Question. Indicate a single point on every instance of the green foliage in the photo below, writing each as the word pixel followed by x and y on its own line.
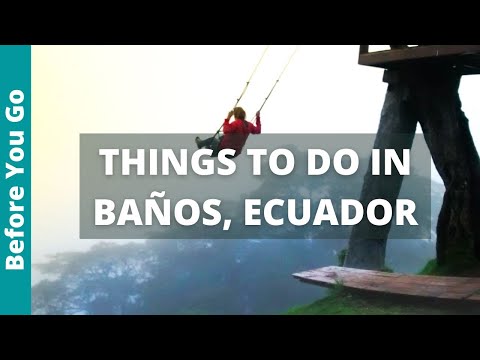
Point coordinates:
pixel 460 268
pixel 342 302
pixel 341 256
pixel 355 303
pixel 430 268
pixel 387 269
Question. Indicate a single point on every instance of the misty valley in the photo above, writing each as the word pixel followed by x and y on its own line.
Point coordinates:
pixel 241 274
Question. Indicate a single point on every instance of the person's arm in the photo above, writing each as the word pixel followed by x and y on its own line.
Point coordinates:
pixel 227 127
pixel 257 128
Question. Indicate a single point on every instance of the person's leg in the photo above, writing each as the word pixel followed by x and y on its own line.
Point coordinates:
pixel 216 146
pixel 204 143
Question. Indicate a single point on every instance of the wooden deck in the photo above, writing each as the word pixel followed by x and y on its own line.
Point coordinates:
pixel 466 56
pixel 435 287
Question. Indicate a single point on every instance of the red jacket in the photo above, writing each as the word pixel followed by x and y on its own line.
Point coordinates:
pixel 236 133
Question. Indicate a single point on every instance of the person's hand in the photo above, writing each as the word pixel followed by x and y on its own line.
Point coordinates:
pixel 258 113
pixel 230 114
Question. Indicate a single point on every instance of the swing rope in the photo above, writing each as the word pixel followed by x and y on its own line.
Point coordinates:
pixel 279 77
pixel 251 76
pixel 274 85
pixel 247 84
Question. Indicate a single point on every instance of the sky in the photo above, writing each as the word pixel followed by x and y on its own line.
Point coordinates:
pixel 185 89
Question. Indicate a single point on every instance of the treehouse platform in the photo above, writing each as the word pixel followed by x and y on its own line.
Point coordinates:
pixel 465 57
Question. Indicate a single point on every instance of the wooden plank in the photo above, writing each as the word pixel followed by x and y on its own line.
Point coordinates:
pixel 381 58
pixel 391 58
pixel 441 287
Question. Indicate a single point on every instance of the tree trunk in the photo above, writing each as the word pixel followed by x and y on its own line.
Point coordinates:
pixel 367 245
pixel 448 137
pixel 428 94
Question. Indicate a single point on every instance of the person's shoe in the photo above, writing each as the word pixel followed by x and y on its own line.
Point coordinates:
pixel 197 141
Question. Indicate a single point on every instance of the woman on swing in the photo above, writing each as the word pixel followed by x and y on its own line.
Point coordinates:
pixel 235 134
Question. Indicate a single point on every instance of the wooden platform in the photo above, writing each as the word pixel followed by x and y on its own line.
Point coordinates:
pixel 465 56
pixel 438 287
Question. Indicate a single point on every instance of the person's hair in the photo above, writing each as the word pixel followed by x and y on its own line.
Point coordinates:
pixel 239 113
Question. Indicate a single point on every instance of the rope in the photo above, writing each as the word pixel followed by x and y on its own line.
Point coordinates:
pixel 247 84
pixel 274 85
pixel 279 77
pixel 251 76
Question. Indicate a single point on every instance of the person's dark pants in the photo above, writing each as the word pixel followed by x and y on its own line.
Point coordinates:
pixel 214 144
